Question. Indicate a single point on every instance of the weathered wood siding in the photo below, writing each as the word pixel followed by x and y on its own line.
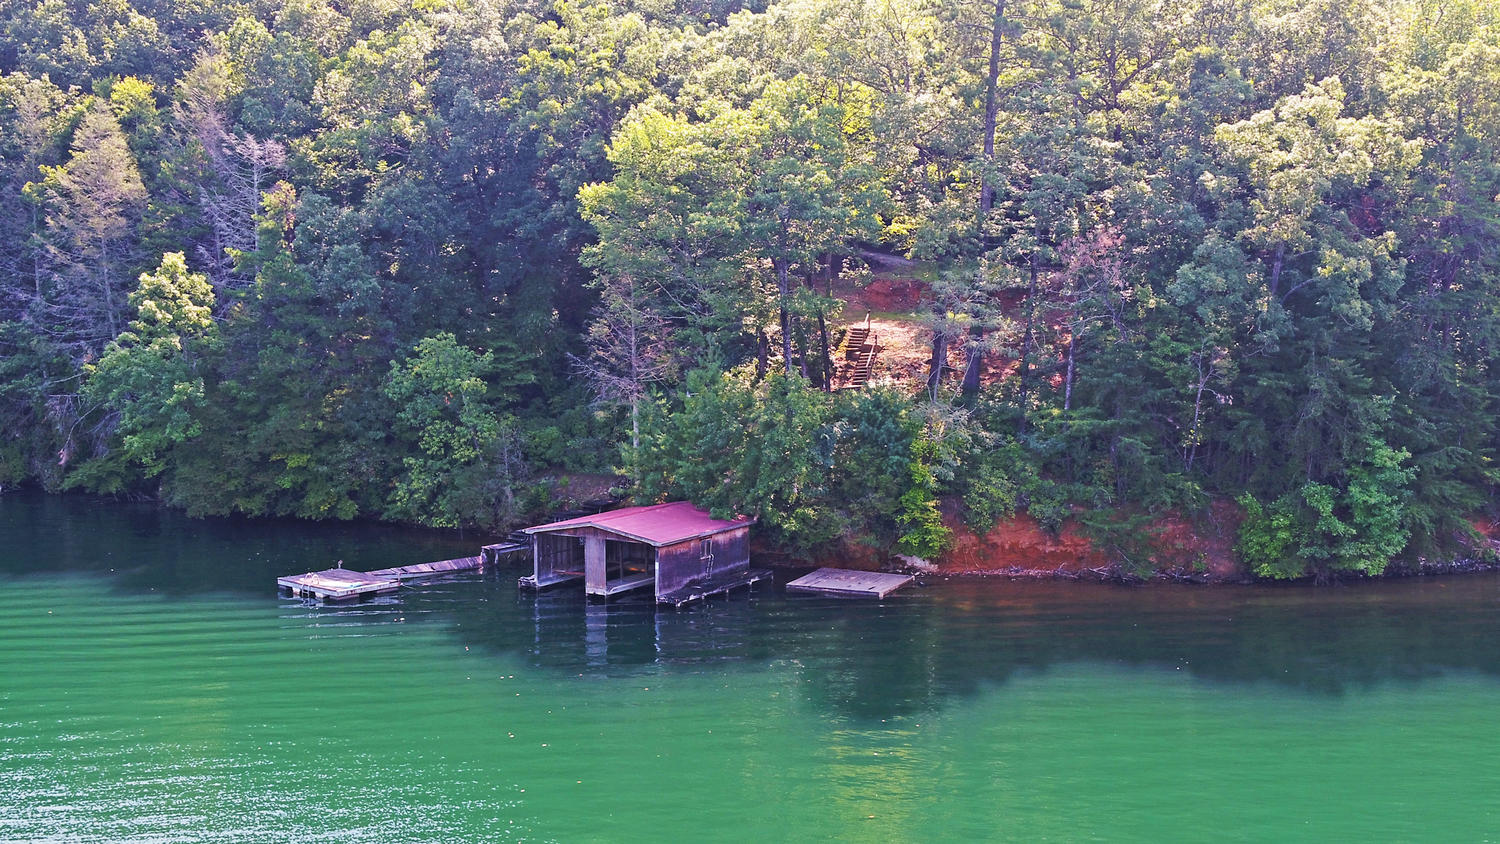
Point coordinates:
pixel 553 554
pixel 680 564
pixel 586 531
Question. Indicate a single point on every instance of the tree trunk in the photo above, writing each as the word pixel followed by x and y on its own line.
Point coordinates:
pixel 637 380
pixel 106 287
pixel 35 253
pixel 635 439
pixel 1024 365
pixel 831 270
pixel 1276 269
pixel 991 111
pixel 827 378
pixel 939 360
pixel 786 318
pixel 975 366
pixel 1068 379
pixel 1193 434
pixel 1205 372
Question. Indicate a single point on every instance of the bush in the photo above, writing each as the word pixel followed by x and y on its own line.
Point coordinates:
pixel 1321 529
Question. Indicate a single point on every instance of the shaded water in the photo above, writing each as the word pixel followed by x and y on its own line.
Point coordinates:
pixel 154 688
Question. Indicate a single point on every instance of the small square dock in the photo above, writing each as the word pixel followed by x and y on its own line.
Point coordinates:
pixel 337 584
pixel 862 584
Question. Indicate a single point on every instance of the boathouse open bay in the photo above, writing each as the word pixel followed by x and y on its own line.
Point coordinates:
pixel 151 704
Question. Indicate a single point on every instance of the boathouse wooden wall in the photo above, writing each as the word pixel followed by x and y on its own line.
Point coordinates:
pixel 682 563
pixel 555 558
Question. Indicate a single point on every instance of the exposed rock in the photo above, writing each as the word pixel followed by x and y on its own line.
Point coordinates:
pixel 1020 543
pixel 1020 546
pixel 917 563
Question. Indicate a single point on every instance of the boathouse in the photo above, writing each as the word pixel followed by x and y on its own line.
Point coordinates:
pixel 676 549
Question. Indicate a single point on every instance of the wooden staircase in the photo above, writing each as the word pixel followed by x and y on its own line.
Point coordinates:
pixel 854 341
pixel 860 347
pixel 861 374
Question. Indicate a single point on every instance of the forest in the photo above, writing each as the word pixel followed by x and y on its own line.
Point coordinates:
pixel 419 261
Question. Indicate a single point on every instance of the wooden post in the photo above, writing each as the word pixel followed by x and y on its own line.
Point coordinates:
pixel 595 577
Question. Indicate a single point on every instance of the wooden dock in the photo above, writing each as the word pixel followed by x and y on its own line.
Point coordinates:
pixel 514 543
pixel 346 584
pixel 337 585
pixel 864 584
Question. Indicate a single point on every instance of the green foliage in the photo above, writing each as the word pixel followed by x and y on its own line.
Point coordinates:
pixel 811 466
pixel 723 214
pixel 1005 477
pixel 151 377
pixel 29 365
pixel 466 454
pixel 739 446
pixel 924 534
pixel 1322 529
pixel 874 434
pixel 1269 538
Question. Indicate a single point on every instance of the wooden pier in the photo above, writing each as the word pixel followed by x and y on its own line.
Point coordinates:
pixel 863 584
pixel 421 570
pixel 345 584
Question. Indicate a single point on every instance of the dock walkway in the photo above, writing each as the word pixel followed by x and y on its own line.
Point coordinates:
pixel 421 570
pixel 871 584
pixel 346 584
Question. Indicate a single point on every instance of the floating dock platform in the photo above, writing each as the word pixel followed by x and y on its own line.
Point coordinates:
pixel 863 584
pixel 346 584
pixel 337 585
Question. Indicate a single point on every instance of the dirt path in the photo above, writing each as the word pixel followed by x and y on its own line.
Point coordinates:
pixel 894 305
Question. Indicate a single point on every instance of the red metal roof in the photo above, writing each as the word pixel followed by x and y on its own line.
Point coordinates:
pixel 654 524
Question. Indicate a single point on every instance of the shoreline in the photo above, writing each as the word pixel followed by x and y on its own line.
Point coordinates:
pixel 1120 576
pixel 1077 560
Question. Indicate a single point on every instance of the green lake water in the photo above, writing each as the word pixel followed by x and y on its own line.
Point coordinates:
pixel 153 687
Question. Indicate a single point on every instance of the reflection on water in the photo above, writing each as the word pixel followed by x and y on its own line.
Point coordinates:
pixel 860 659
pixel 151 549
pixel 955 638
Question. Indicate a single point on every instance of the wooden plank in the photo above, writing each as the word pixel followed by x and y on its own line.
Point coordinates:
pixel 417 570
pixel 624 584
pixel 830 581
